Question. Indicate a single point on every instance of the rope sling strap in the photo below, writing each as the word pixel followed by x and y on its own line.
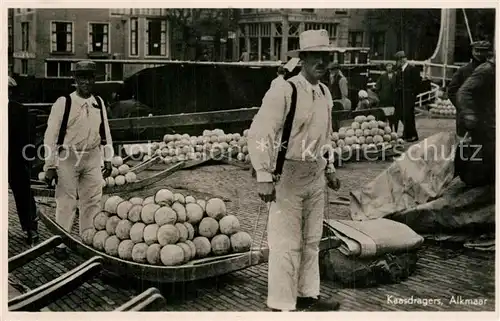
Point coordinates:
pixel 287 130
pixel 64 122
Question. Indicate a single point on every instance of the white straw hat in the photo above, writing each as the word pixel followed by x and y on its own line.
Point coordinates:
pixel 312 40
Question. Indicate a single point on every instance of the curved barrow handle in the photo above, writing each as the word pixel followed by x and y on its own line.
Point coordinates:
pixel 149 300
pixel 44 295
pixel 27 256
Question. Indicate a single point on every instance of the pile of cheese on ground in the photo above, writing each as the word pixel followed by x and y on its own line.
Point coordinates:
pixel 120 174
pixel 176 147
pixel 364 134
pixel 443 107
pixel 166 229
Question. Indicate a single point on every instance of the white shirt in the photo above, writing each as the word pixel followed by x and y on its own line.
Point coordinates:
pixel 311 130
pixel 404 66
pixel 82 133
pixel 278 80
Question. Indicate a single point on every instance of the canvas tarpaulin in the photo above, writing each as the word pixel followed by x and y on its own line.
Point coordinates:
pixel 373 238
pixel 460 209
pixel 425 195
pixel 416 177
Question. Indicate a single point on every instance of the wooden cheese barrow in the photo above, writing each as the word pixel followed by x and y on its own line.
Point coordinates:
pixel 191 271
pixel 40 188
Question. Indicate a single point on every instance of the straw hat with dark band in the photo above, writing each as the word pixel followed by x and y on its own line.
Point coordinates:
pixel 312 41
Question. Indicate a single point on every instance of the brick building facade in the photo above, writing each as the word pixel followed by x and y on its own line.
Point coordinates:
pixel 270 33
pixel 47 42
pixel 44 43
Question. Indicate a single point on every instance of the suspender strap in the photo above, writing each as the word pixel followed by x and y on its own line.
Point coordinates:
pixel 322 89
pixel 287 130
pixel 102 132
pixel 64 123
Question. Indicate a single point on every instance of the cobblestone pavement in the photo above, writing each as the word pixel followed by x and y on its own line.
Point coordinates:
pixel 441 273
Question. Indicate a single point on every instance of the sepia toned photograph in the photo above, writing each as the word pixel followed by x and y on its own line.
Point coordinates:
pixel 262 159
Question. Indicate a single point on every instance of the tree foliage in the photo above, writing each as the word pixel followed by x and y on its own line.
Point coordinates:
pixel 417 25
pixel 190 24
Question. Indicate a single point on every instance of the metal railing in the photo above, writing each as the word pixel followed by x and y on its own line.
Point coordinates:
pixel 421 98
pixel 426 72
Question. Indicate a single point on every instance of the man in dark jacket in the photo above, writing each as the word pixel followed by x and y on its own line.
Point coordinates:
pixel 19 166
pixel 480 50
pixel 408 83
pixel 476 101
pixel 338 86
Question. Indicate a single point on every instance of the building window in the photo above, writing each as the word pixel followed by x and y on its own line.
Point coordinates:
pixel 134 41
pixel 341 11
pixel 156 40
pixel 58 69
pixel 355 38
pixel 156 12
pixel 377 43
pixel 119 12
pixel 62 36
pixel 330 27
pixel 24 67
pixel 25 36
pixel 99 37
pixel 100 71
pixel 308 10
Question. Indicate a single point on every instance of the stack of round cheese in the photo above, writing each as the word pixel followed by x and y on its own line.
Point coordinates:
pixel 443 107
pixel 176 148
pixel 365 134
pixel 166 229
pixel 120 174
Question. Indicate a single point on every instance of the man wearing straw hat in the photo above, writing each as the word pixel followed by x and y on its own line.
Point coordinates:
pixel 77 129
pixel 287 142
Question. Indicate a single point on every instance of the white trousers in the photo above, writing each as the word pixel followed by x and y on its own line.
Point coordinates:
pixel 78 175
pixel 294 231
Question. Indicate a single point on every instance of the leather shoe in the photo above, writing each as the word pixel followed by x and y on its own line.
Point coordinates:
pixel 311 304
pixel 32 237
pixel 411 139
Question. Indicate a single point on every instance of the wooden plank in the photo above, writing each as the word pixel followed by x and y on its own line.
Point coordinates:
pixel 145 165
pixel 233 161
pixel 163 121
pixel 381 112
